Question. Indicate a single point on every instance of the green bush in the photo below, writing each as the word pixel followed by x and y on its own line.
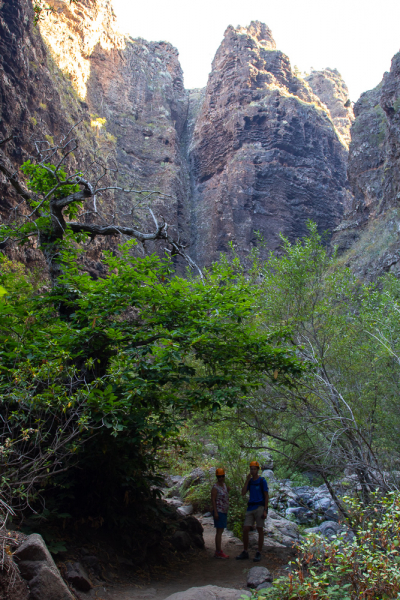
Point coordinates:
pixel 365 569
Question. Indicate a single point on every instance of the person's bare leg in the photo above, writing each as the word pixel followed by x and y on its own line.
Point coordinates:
pixel 246 530
pixel 218 540
pixel 260 538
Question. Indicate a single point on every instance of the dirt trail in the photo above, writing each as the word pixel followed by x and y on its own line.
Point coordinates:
pixel 201 569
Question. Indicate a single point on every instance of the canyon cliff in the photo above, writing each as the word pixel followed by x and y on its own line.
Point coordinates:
pixel 265 155
pixel 368 237
pixel 258 152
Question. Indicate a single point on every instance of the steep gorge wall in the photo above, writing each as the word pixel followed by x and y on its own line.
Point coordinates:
pixel 369 236
pixel 265 155
pixel 76 66
pixel 256 151
pixel 137 86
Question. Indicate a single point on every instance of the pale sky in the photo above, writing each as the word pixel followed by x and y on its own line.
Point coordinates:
pixel 358 37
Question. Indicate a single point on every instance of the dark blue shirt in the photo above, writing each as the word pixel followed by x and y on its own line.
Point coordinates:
pixel 257 488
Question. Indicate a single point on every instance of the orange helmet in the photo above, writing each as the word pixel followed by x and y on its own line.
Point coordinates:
pixel 219 472
pixel 255 463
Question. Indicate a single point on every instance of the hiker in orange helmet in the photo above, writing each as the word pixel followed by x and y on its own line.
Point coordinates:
pixel 257 510
pixel 220 503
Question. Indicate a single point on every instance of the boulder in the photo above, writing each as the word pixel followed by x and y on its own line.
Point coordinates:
pixel 181 540
pixel 185 510
pixel 48 585
pixel 330 528
pixel 266 460
pixel 194 478
pixel 268 474
pixel 173 480
pixel 175 502
pixel 263 586
pixel 209 592
pixel 210 450
pixel 281 530
pixel 301 514
pixel 257 576
pixel 38 568
pixel 192 525
pixel 78 577
pixel 90 561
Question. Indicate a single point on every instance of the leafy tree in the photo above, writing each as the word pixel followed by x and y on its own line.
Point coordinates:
pixel 343 412
pixel 97 373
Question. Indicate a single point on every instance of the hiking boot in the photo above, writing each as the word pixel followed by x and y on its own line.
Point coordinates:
pixel 220 555
pixel 257 557
pixel 243 556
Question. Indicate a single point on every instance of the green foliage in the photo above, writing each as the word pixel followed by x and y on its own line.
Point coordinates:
pixel 112 383
pixel 343 410
pixel 231 443
pixel 366 568
pixel 41 180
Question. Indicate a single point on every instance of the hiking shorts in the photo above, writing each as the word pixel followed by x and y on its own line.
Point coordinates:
pixel 254 515
pixel 222 521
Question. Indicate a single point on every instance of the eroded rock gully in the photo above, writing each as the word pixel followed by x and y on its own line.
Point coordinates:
pixel 256 151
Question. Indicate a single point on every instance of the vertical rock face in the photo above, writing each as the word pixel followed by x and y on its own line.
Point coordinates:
pixel 256 151
pixel 390 103
pixel 366 167
pixel 330 88
pixel 137 86
pixel 264 154
pixel 370 230
pixel 36 100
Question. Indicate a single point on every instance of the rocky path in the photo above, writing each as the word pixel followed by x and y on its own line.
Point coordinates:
pixel 200 569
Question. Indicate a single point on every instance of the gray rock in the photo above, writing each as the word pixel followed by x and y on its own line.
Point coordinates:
pixel 264 586
pixel 38 568
pixel 329 528
pixel 77 576
pixel 90 561
pixel 194 478
pixel 174 502
pixel 302 515
pixel 211 450
pixel 181 540
pixel 258 576
pixel 175 479
pixel 191 524
pixel 209 592
pixel 48 585
pixel 33 549
pixel 185 510
pixel 207 514
pixel 322 503
pixel 198 540
pixel 266 460
pixel 281 530
pixel 268 474
pixel 332 514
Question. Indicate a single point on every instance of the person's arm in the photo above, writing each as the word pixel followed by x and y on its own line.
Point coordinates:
pixel 246 485
pixel 214 502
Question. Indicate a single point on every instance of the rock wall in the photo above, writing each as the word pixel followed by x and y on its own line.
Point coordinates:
pixel 368 236
pixel 330 88
pixel 137 86
pixel 36 100
pixel 256 151
pixel 265 155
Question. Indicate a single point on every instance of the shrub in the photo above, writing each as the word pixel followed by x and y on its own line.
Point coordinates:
pixel 366 568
